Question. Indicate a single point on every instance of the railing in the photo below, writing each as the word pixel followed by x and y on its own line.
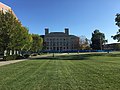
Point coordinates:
pixel 73 51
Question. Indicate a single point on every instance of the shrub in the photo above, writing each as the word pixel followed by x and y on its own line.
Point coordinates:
pixel 14 57
pixel 19 57
pixel 26 55
pixel 10 57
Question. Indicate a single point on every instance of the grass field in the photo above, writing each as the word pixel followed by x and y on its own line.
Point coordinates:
pixel 67 72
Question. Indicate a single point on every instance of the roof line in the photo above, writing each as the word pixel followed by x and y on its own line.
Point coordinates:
pixel 5 5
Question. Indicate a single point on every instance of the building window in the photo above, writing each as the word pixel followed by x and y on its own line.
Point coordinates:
pixel 67 44
pixel 51 43
pixel 57 43
pixel 47 43
pixel 51 48
pixel 64 43
pixel 60 43
pixel 57 48
pixel 60 48
pixel 3 9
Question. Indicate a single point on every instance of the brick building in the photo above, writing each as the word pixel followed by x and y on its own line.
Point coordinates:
pixel 6 8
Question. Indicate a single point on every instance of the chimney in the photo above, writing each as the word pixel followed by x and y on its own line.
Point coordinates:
pixel 67 31
pixel 46 31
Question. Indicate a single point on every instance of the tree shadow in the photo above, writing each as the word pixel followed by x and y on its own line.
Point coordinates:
pixel 68 57
pixel 114 55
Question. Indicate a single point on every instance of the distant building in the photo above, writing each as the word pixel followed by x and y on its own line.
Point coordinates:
pixel 112 46
pixel 6 8
pixel 60 41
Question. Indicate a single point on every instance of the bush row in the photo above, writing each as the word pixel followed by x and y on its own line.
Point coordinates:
pixel 15 57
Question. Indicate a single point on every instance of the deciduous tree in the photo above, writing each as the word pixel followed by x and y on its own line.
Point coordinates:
pixel 84 43
pixel 117 20
pixel 13 35
pixel 37 43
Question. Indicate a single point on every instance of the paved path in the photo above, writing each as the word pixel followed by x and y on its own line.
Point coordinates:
pixel 39 56
pixel 10 62
pixel 15 61
pixel 49 55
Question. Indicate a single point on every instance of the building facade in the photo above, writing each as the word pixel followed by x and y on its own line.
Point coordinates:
pixel 60 41
pixel 112 46
pixel 6 8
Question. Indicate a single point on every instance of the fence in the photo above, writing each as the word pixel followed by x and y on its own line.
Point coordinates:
pixel 73 51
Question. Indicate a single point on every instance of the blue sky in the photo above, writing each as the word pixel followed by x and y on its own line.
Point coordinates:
pixel 82 17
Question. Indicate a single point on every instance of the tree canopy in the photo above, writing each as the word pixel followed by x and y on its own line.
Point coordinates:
pixel 98 39
pixel 84 43
pixel 117 20
pixel 37 43
pixel 14 36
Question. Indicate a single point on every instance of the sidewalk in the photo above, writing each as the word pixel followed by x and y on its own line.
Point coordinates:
pixel 10 62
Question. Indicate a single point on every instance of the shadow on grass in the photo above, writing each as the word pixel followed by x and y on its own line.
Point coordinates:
pixel 114 55
pixel 71 57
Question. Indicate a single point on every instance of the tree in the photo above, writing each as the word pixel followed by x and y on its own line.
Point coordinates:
pixel 13 35
pixel 84 43
pixel 98 39
pixel 6 25
pixel 37 43
pixel 117 20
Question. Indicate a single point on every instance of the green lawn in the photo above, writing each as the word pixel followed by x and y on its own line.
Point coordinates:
pixel 70 72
